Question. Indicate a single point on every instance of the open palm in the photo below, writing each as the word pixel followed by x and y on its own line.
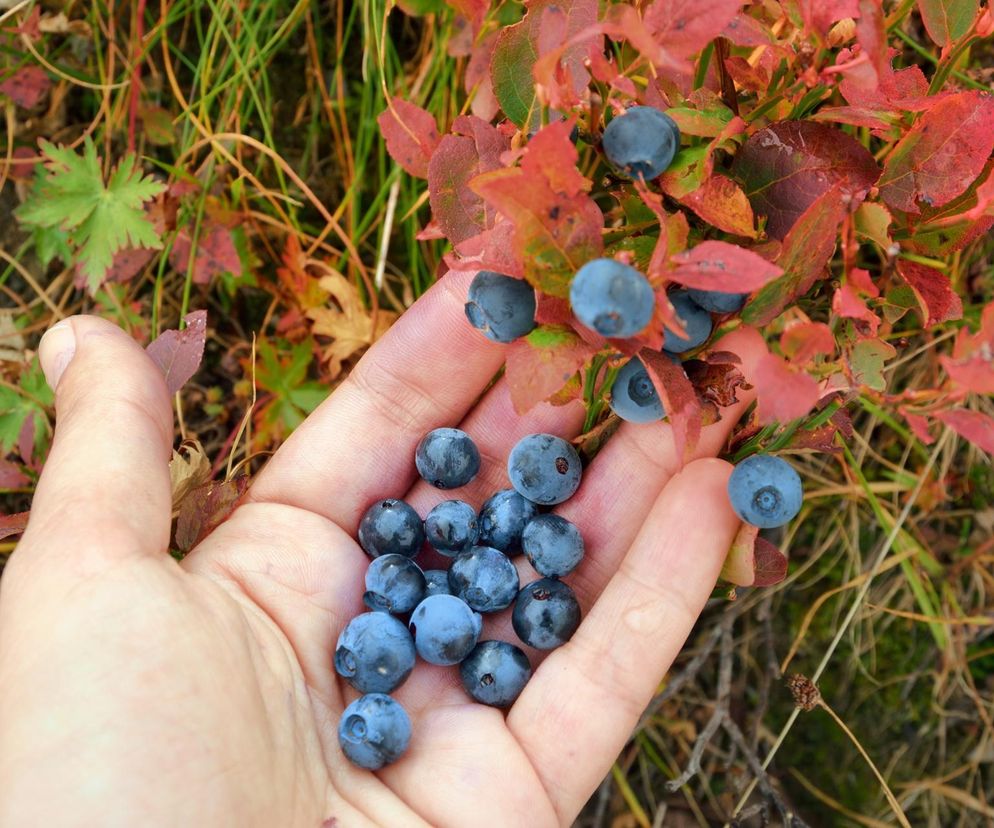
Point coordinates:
pixel 138 690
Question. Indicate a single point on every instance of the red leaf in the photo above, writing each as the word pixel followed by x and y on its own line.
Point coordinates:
pixel 13 524
pixel 683 409
pixel 783 394
pixel 684 27
pixel 11 476
pixel 473 10
pixel 128 263
pixel 178 353
pixel 716 382
pixel 411 135
pixel 918 425
pixel 946 21
pixel 716 265
pixel 27 86
pixel 560 71
pixel 943 153
pixel 723 203
pixel 975 426
pixel 769 563
pixel 972 363
pixel 542 363
pixel 789 165
pixel 806 253
pixel 477 78
pixel 492 249
pixel 205 508
pixel 216 254
pixel 820 15
pixel 802 341
pixel 847 303
pixel 936 297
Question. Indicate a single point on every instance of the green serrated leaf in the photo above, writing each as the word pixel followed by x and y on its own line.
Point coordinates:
pixel 99 219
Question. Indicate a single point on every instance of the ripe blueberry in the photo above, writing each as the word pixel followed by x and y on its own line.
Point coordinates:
pixel 612 298
pixel 544 469
pixel 374 731
pixel 391 526
pixel 374 653
pixel 447 458
pixel 765 491
pixel 500 306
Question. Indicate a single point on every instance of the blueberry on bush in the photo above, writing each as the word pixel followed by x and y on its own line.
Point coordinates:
pixel 612 298
pixel 374 653
pixel 445 629
pixel 544 468
pixel 641 142
pixel 716 301
pixel 500 306
pixel 696 320
pixel 552 545
pixel 452 527
pixel 495 673
pixel 394 583
pixel 374 731
pixel 484 578
pixel 546 614
pixel 765 491
pixel 633 396
pixel 447 458
pixel 502 520
pixel 391 527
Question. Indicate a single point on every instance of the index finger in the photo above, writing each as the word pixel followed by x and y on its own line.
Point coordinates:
pixel 426 372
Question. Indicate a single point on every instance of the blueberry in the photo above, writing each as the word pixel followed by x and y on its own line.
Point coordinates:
pixel 544 469
pixel 437 582
pixel 502 520
pixel 495 673
pixel 394 583
pixel 641 142
pixel 546 614
pixel 391 527
pixel 502 307
pixel 765 491
pixel 374 731
pixel 696 320
pixel 451 527
pixel 552 545
pixel 612 298
pixel 375 653
pixel 445 629
pixel 716 301
pixel 447 458
pixel 633 396
pixel 484 578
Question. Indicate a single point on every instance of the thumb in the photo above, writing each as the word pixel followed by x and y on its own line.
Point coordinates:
pixel 104 492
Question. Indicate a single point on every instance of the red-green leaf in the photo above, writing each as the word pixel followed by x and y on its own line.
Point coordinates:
pixel 722 202
pixel 936 297
pixel 943 154
pixel 783 393
pixel 411 135
pixel 557 226
pixel 683 409
pixel 740 563
pixel 178 353
pixel 716 265
pixel 542 363
pixel 786 167
pixel 806 253
pixel 216 254
pixel 975 426
pixel 205 508
pixel 946 21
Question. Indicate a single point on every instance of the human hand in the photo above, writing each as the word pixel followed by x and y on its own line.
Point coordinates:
pixel 138 690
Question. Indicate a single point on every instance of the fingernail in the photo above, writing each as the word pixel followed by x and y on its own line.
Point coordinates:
pixel 56 350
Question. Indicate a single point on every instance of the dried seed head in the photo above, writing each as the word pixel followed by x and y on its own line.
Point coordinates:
pixel 806 695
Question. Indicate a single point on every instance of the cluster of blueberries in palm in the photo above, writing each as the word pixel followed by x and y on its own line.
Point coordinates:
pixel 444 608
pixel 377 651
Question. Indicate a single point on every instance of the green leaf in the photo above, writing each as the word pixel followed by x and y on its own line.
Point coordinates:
pixel 946 21
pixel 511 72
pixel 99 218
pixel 15 408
